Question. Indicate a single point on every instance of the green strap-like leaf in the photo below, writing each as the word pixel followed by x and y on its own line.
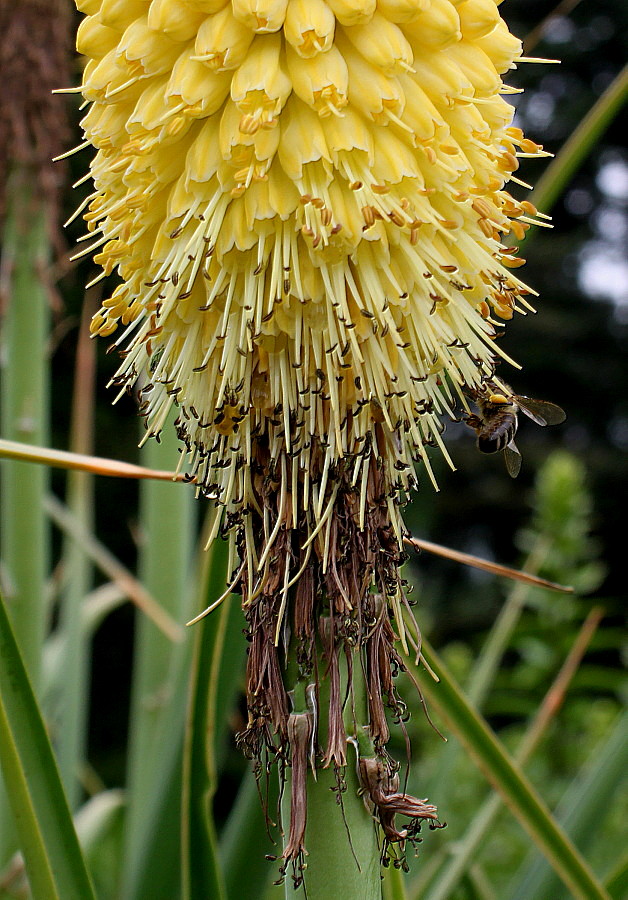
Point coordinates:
pixel 54 863
pixel 214 673
pixel 574 151
pixel 507 778
pixel 588 799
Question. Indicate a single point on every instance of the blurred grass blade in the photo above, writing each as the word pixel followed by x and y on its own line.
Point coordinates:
pixel 486 666
pixel 587 800
pixel 55 865
pixel 471 842
pixel 573 152
pixel 69 718
pixel 247 872
pixel 215 667
pixel 507 778
pixel 166 567
pixel 24 416
pixel 107 563
pixel 616 882
pixel 99 825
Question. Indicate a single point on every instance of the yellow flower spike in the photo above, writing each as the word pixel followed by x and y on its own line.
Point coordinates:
pixel 399 11
pixel 382 44
pixel 346 136
pixel 260 86
pixel 477 67
pixel 192 84
pixel 156 52
pixel 309 26
pixel 303 139
pixel 477 18
pixel 321 81
pixel 372 92
pixel 93 39
pixel 222 41
pixel 262 16
pixel 88 7
pixel 502 48
pixel 305 203
pixel 353 12
pixel 119 14
pixel 438 26
pixel 207 6
pixel 174 18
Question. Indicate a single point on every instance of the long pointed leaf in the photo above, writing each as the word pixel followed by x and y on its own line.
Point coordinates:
pixel 55 865
pixel 507 778
pixel 220 654
pixel 202 873
pixel 589 797
pixel 152 862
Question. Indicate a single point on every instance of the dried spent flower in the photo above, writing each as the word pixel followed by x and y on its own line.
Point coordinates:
pixel 305 203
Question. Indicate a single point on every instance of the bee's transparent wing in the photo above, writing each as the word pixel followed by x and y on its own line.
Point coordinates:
pixel 512 458
pixel 541 411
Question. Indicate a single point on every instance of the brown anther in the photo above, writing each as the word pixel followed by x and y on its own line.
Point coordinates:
pixel 380 188
pixel 484 309
pixel 486 227
pixel 529 208
pixel 482 208
pixel 368 214
pixel 513 263
pixel 504 312
pixel 519 229
pixel 529 146
pixel 509 162
pixel 249 124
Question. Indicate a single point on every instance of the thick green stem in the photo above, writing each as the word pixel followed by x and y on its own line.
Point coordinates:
pixel 343 856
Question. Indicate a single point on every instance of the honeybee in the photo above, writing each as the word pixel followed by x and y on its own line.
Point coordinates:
pixel 497 421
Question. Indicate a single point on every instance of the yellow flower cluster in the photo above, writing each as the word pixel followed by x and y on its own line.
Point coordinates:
pixel 304 200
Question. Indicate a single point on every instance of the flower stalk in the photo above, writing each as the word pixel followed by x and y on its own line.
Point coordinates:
pixel 306 206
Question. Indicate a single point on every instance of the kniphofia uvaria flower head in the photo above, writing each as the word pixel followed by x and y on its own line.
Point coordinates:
pixel 305 203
